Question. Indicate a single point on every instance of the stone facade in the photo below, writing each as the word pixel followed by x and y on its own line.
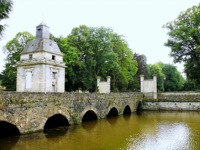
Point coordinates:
pixel 148 87
pixel 41 67
pixel 103 87
pixel 30 111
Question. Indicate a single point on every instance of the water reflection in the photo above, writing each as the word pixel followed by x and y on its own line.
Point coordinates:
pixel 167 137
pixel 89 125
pixel 112 120
pixel 8 142
pixel 127 117
pixel 55 132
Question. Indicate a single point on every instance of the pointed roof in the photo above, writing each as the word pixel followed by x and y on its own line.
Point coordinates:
pixel 39 45
pixel 42 42
pixel 42 24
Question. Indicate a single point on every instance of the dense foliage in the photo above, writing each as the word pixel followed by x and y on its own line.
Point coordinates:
pixel 168 77
pixel 5 9
pixel 174 81
pixel 90 52
pixel 184 41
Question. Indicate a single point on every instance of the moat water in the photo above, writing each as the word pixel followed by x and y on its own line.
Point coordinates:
pixel 147 131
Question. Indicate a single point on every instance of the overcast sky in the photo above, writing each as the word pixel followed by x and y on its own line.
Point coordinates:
pixel 139 21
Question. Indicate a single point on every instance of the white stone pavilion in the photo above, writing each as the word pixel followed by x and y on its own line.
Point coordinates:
pixel 41 67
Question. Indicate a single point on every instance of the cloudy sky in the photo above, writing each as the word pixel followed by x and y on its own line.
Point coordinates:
pixel 139 21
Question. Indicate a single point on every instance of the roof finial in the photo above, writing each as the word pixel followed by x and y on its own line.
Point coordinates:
pixel 42 23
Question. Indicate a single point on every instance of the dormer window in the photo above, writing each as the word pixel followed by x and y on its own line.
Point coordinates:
pixel 30 57
pixel 53 57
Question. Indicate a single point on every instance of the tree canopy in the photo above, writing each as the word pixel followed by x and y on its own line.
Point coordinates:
pixel 168 77
pixel 173 81
pixel 184 41
pixel 5 9
pixel 99 52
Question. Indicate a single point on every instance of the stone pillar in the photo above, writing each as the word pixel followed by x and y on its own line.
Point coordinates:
pixel 149 87
pixel 141 83
pixel 103 87
pixel 155 86
pixel 108 79
pixel 108 83
pixel 98 80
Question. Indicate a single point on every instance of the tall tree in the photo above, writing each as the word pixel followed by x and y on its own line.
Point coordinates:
pixel 190 85
pixel 102 52
pixel 5 8
pixel 13 49
pixel 184 41
pixel 142 70
pixel 174 81
pixel 124 67
pixel 168 77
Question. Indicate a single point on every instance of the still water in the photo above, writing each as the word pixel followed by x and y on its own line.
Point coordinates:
pixel 147 131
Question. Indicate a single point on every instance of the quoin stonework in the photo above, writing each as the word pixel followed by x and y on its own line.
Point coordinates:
pixel 41 67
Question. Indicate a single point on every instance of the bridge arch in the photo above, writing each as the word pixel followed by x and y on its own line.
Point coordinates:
pixel 55 121
pixel 89 113
pixel 113 112
pixel 127 110
pixel 8 129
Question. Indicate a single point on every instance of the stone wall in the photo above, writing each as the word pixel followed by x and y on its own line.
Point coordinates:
pixel 174 101
pixel 30 111
pixel 179 96
pixel 178 106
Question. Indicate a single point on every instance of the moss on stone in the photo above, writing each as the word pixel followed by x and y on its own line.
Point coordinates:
pixel 76 118
pixel 146 99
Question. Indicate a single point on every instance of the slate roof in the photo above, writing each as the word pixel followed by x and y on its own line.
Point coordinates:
pixel 42 44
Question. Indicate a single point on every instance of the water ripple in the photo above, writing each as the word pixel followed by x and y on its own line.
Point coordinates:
pixel 174 136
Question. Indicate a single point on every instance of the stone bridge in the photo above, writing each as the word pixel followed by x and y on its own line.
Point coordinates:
pixel 29 112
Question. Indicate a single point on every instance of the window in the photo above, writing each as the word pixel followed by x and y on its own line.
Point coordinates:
pixel 53 57
pixel 28 80
pixel 30 56
pixel 53 88
pixel 54 75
